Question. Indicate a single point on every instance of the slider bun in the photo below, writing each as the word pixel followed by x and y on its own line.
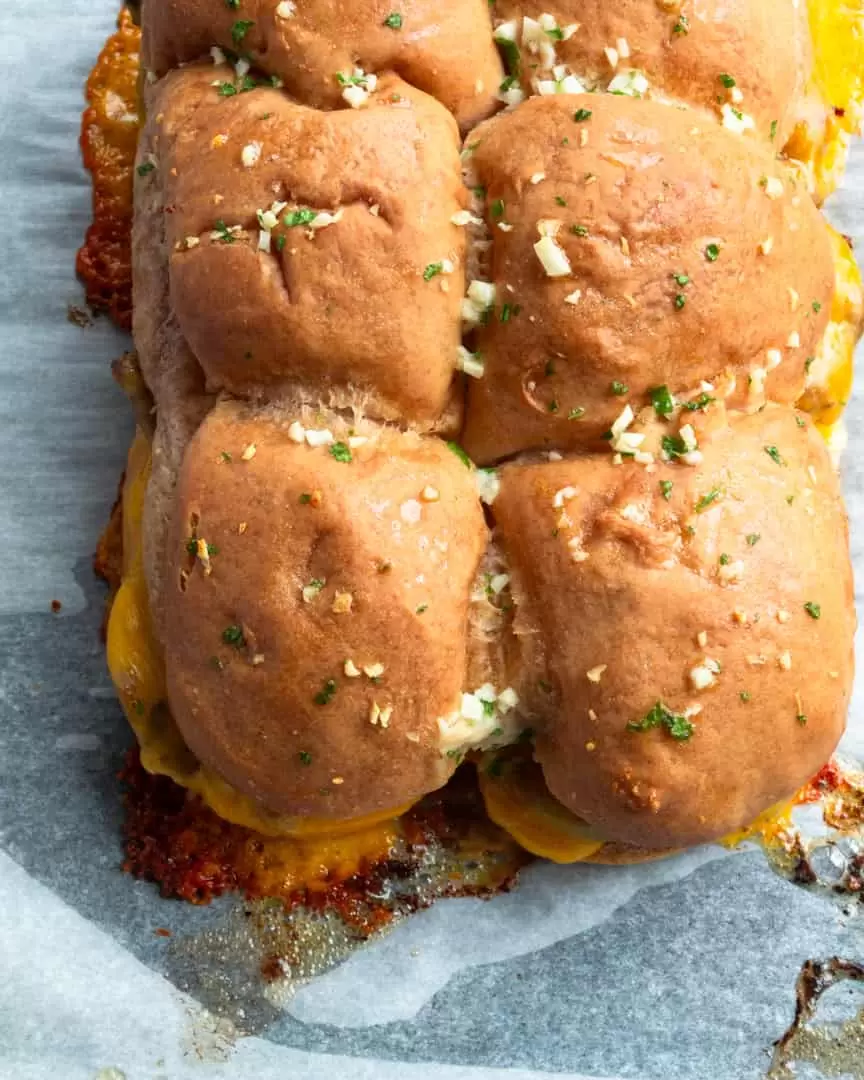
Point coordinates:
pixel 444 47
pixel 653 187
pixel 632 613
pixel 343 309
pixel 738 38
pixel 393 538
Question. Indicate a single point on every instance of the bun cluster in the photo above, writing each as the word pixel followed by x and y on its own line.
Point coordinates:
pixel 475 336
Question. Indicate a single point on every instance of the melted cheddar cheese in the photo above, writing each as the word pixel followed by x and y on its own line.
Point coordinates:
pixel 516 798
pixel 830 373
pixel 298 851
pixel 835 93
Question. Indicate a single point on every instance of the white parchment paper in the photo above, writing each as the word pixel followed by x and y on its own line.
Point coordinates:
pixel 680 969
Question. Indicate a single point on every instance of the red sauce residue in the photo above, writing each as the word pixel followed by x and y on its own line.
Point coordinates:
pixel 173 839
pixel 828 781
pixel 109 135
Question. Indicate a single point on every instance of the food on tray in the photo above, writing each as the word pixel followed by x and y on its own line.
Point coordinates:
pixel 491 367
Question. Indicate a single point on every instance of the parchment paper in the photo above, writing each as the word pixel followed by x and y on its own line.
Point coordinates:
pixel 681 969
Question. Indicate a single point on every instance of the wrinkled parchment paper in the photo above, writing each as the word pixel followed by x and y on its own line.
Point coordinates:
pixel 680 969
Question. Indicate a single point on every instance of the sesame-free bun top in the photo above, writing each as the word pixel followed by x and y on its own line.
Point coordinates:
pixel 683 251
pixel 711 55
pixel 307 248
pixel 686 631
pixel 443 47
pixel 318 630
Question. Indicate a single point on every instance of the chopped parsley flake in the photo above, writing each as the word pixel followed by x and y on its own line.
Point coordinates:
pixel 240 29
pixel 460 453
pixel 579 230
pixel 341 452
pixel 666 489
pixel 727 80
pixel 433 270
pixel 233 635
pixel 394 20
pixel 801 718
pixel 303 216
pixel 775 455
pixel 724 560
pixel 509 311
pixel 305 757
pixel 233 4
pixel 192 547
pixel 619 388
pixel 682 26
pixel 581 115
pixel 773 130
pixel 305 498
pixel 753 539
pixel 224 454
pixel 662 400
pixel 679 727
pixel 512 59
pixel 817 307
pixel 560 200
pixel 673 446
pixel 680 301
pixel 707 500
pixel 700 403
pixel 576 414
pixel 146 168
pixel 226 89
pixel 421 608
pixel 745 696
pixel 813 610
pixel 225 237
pixel 497 209
pixel 325 694
pixel 712 253
pixel 681 279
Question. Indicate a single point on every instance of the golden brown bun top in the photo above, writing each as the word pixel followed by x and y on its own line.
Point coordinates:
pixel 688 52
pixel 318 630
pixel 443 47
pixel 727 605
pixel 692 257
pixel 313 573
pixel 348 309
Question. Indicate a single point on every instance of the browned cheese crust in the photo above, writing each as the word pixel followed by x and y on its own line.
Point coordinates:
pixel 689 52
pixel 309 666
pixel 444 47
pixel 259 320
pixel 730 603
pixel 693 256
